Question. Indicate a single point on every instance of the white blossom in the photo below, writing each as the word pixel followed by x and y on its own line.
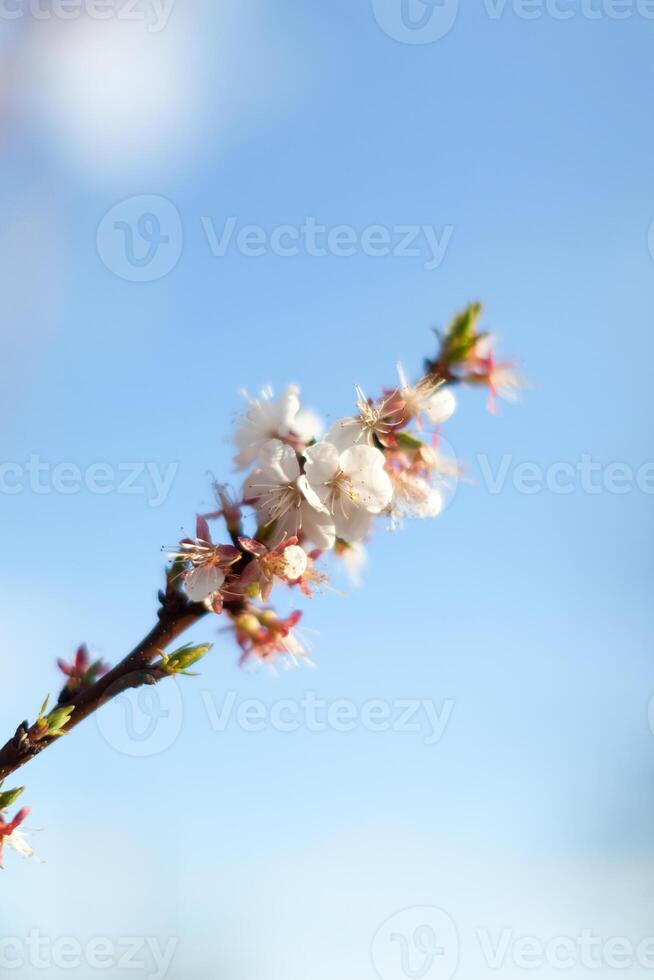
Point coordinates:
pixel 290 564
pixel 307 426
pixel 414 497
pixel 352 486
pixel 209 563
pixel 437 404
pixel 283 495
pixel 373 422
pixel 424 481
pixel 203 583
pixel 268 418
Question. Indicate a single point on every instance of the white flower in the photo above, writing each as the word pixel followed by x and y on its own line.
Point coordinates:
pixel 307 426
pixel 414 497
pixel 290 565
pixel 345 433
pixel 283 495
pixel 288 562
pixel 267 418
pixel 203 583
pixel 438 405
pixel 209 563
pixel 352 485
pixel 373 422
pixel 423 481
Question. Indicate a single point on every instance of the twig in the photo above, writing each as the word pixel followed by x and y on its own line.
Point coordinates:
pixel 175 617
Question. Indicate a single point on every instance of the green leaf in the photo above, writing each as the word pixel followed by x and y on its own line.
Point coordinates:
pixel 406 440
pixel 44 707
pixel 8 797
pixel 461 335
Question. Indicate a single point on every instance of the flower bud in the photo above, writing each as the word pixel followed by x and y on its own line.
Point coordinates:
pixel 179 661
pixel 247 623
pixel 268 618
pixel 8 797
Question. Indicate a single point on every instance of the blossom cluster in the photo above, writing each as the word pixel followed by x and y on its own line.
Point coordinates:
pixel 310 492
pixel 305 494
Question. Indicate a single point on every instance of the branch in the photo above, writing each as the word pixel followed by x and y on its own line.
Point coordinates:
pixel 309 494
pixel 176 615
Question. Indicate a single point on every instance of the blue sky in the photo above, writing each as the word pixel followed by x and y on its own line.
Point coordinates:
pixel 277 853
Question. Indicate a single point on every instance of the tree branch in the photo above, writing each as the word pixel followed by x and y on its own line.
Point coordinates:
pixel 464 357
pixel 176 615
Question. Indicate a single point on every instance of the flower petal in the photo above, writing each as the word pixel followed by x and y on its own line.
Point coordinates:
pixel 352 523
pixel 306 425
pixel 440 406
pixel 202 529
pixel 286 526
pixel 360 459
pixel 322 463
pixel 252 546
pixel 227 554
pixel 19 844
pixel 285 410
pixel 346 433
pixel 253 486
pixel 318 527
pixel 265 419
pixel 371 483
pixel 278 462
pixel 200 583
pixel 313 497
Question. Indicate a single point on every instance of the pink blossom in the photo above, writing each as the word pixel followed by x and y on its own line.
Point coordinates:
pixel 286 561
pixel 80 671
pixel 10 835
pixel 263 636
pixel 209 566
